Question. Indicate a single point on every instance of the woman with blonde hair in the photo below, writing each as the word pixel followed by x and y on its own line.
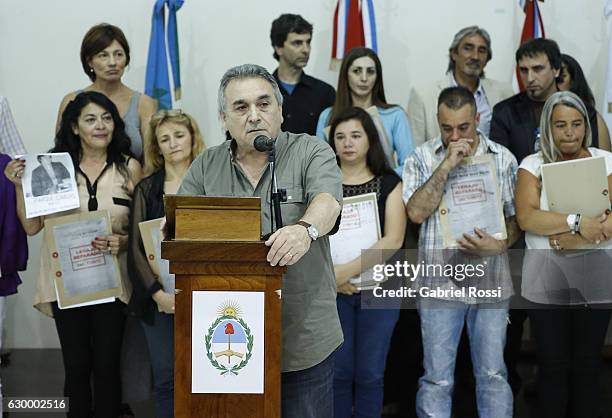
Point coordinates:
pixel 172 142
pixel 569 295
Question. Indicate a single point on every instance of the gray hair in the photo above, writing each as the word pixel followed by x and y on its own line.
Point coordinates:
pixel 459 36
pixel 246 71
pixel 550 151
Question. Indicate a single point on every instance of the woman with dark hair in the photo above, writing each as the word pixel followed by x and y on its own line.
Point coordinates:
pixel 105 54
pixel 360 84
pixel 92 132
pixel 360 362
pixel 573 79
pixel 172 142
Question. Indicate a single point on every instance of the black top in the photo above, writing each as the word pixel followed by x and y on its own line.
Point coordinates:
pixel 147 204
pixel 382 186
pixel 301 109
pixel 514 124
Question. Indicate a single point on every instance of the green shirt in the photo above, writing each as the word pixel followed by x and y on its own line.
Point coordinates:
pixel 305 167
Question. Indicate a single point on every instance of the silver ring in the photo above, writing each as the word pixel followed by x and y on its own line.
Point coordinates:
pixel 289 254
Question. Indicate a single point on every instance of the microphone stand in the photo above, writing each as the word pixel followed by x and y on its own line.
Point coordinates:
pixel 276 197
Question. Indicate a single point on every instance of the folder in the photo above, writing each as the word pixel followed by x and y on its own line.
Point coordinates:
pixel 577 186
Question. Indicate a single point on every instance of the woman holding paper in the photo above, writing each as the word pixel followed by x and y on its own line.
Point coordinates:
pixel 360 363
pixel 172 142
pixel 92 132
pixel 105 54
pixel 360 83
pixel 568 290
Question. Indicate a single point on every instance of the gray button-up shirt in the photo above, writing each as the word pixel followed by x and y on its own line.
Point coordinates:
pixel 306 166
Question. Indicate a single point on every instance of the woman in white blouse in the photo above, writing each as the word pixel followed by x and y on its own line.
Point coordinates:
pixel 569 290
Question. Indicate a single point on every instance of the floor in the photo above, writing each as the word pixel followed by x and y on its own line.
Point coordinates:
pixel 40 373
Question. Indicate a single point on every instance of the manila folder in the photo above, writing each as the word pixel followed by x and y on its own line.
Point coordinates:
pixel 577 186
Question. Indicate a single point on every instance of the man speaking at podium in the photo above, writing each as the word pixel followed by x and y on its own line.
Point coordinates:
pixel 250 105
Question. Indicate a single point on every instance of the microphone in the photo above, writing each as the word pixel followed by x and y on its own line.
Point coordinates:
pixel 262 143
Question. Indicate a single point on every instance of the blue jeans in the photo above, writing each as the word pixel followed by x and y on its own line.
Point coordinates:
pixel 309 393
pixel 160 340
pixel 441 326
pixel 359 369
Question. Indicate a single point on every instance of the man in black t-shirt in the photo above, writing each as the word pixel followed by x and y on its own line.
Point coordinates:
pixel 304 97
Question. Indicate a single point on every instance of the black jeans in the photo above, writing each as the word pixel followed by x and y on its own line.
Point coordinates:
pixel 91 339
pixel 568 347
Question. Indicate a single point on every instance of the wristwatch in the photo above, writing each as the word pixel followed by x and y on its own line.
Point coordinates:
pixel 573 221
pixel 313 232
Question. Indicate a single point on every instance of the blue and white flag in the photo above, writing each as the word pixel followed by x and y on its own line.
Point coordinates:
pixel 157 80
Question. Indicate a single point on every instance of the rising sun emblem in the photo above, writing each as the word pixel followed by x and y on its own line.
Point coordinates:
pixel 229 339
pixel 229 308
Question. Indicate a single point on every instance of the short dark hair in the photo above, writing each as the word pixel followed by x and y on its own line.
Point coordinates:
pixel 456 97
pixel 537 46
pixel 67 141
pixel 375 158
pixel 284 25
pixel 96 39
pixel 40 157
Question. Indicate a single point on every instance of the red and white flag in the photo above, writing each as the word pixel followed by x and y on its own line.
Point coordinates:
pixel 354 26
pixel 532 28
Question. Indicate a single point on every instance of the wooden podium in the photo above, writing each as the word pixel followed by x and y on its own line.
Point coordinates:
pixel 213 244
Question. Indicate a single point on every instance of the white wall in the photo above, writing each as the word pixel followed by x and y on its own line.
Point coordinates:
pixel 39 63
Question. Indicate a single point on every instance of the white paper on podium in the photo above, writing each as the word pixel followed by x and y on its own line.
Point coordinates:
pixel 227 346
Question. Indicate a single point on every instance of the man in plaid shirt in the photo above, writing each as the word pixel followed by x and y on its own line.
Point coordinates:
pixel 10 141
pixel 485 313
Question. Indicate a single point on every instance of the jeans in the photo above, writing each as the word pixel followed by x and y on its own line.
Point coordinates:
pixel 309 393
pixel 359 369
pixel 568 348
pixel 90 337
pixel 441 325
pixel 160 340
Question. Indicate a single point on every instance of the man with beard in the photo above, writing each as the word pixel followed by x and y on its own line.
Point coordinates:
pixel 469 53
pixel 516 121
pixel 304 97
pixel 516 125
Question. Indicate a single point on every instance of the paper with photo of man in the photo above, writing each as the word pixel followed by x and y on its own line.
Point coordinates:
pixel 49 184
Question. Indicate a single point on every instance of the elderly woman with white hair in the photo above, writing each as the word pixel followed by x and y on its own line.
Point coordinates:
pixel 569 290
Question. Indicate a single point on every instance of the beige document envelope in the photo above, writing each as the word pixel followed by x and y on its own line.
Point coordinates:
pixel 577 186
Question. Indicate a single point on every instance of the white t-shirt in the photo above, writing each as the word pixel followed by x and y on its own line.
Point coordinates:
pixel 533 164
pixel 556 278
